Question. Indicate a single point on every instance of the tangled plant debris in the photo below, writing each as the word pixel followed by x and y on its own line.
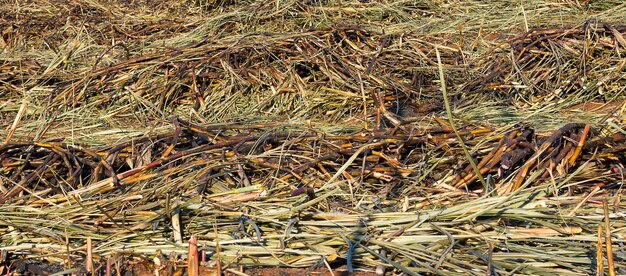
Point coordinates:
pixel 169 137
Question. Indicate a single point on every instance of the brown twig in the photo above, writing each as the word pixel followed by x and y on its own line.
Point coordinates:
pixel 599 259
pixel 607 238
pixel 192 256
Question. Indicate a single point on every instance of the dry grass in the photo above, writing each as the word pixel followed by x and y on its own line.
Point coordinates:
pixel 288 133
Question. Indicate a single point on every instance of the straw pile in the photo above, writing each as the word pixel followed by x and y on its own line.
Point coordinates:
pixel 397 137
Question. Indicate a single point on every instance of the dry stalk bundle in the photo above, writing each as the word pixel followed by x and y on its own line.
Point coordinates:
pixel 300 181
pixel 53 171
pixel 521 153
pixel 338 64
pixel 566 65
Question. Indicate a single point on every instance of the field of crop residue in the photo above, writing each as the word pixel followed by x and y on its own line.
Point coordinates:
pixel 209 137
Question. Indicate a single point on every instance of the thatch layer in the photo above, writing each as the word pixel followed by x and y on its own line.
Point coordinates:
pixel 309 134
